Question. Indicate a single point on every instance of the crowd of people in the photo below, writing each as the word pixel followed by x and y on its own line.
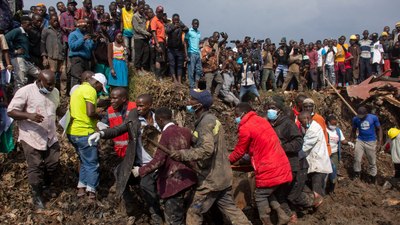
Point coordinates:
pixel 86 53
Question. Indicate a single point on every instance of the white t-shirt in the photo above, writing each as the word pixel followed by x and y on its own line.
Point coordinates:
pixel 321 52
pixel 334 139
pixel 330 57
pixel 377 49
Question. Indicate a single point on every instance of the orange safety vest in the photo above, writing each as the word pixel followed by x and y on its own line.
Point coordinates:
pixel 115 119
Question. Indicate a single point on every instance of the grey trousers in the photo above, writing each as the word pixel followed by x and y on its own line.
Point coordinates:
pixel 202 201
pixel 210 77
pixel 369 148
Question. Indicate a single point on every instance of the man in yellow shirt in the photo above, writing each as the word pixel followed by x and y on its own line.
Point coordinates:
pixel 82 125
pixel 340 57
pixel 127 28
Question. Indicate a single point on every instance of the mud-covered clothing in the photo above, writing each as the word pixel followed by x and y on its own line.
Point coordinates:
pixel 173 176
pixel 259 140
pixel 131 125
pixel 290 138
pixel 210 153
pixel 214 172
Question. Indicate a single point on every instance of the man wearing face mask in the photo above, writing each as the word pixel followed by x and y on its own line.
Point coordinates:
pixel 314 150
pixel 271 165
pixel 291 141
pixel 209 151
pixel 367 142
pixel 309 106
pixel 34 107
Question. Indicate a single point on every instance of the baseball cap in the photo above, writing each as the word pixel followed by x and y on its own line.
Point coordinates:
pixel 202 96
pixel 102 79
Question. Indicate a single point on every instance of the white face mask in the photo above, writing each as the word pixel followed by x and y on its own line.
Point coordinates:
pixel 331 127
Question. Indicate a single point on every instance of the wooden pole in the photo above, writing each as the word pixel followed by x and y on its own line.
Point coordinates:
pixel 341 97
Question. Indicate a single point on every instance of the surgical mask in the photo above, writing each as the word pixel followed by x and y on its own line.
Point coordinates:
pixel 44 90
pixel 190 109
pixel 238 119
pixel 331 127
pixel 272 114
pixel 308 125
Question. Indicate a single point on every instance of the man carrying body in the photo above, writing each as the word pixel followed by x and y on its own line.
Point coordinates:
pixel 34 106
pixel 270 163
pixel 175 179
pixel 136 155
pixel 215 175
pixel 116 115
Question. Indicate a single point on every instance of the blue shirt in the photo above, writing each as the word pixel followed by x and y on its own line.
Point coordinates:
pixel 366 127
pixel 193 39
pixel 78 46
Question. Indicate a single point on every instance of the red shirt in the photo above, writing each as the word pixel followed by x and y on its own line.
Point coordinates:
pixel 347 64
pixel 157 25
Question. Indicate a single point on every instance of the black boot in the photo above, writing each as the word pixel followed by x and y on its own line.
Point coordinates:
pixel 372 179
pixel 37 199
pixel 356 175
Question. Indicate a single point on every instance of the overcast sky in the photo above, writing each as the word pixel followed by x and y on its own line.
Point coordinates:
pixel 293 19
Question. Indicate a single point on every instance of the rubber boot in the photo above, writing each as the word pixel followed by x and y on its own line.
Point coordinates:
pixel 356 175
pixel 283 218
pixel 266 220
pixel 37 199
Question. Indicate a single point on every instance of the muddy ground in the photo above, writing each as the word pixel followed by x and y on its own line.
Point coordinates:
pixel 352 203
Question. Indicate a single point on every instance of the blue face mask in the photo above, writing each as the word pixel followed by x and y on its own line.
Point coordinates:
pixel 190 109
pixel 238 119
pixel 272 114
pixel 308 125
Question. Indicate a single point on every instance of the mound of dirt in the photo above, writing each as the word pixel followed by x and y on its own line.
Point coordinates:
pixel 353 202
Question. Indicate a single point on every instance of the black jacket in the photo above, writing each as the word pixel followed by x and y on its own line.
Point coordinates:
pixel 123 171
pixel 290 137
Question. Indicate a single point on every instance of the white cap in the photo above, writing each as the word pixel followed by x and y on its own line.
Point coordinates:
pixel 102 79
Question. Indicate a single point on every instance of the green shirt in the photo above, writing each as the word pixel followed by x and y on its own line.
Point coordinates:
pixel 81 124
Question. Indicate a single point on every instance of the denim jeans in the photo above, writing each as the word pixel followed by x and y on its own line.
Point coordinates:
pixel 330 74
pixel 195 70
pixel 176 59
pixel 365 68
pixel 248 89
pixel 130 45
pixel 88 157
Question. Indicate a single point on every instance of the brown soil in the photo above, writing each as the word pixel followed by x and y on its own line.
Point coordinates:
pixel 353 202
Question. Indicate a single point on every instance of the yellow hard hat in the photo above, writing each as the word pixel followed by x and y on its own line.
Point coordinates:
pixel 393 132
pixel 384 33
pixel 353 37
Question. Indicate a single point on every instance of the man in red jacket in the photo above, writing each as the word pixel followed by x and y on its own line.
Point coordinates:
pixel 175 179
pixel 270 163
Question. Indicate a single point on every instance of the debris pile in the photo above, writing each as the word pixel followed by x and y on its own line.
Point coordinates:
pixel 353 202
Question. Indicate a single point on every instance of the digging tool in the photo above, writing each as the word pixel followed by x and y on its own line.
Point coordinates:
pixel 341 97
